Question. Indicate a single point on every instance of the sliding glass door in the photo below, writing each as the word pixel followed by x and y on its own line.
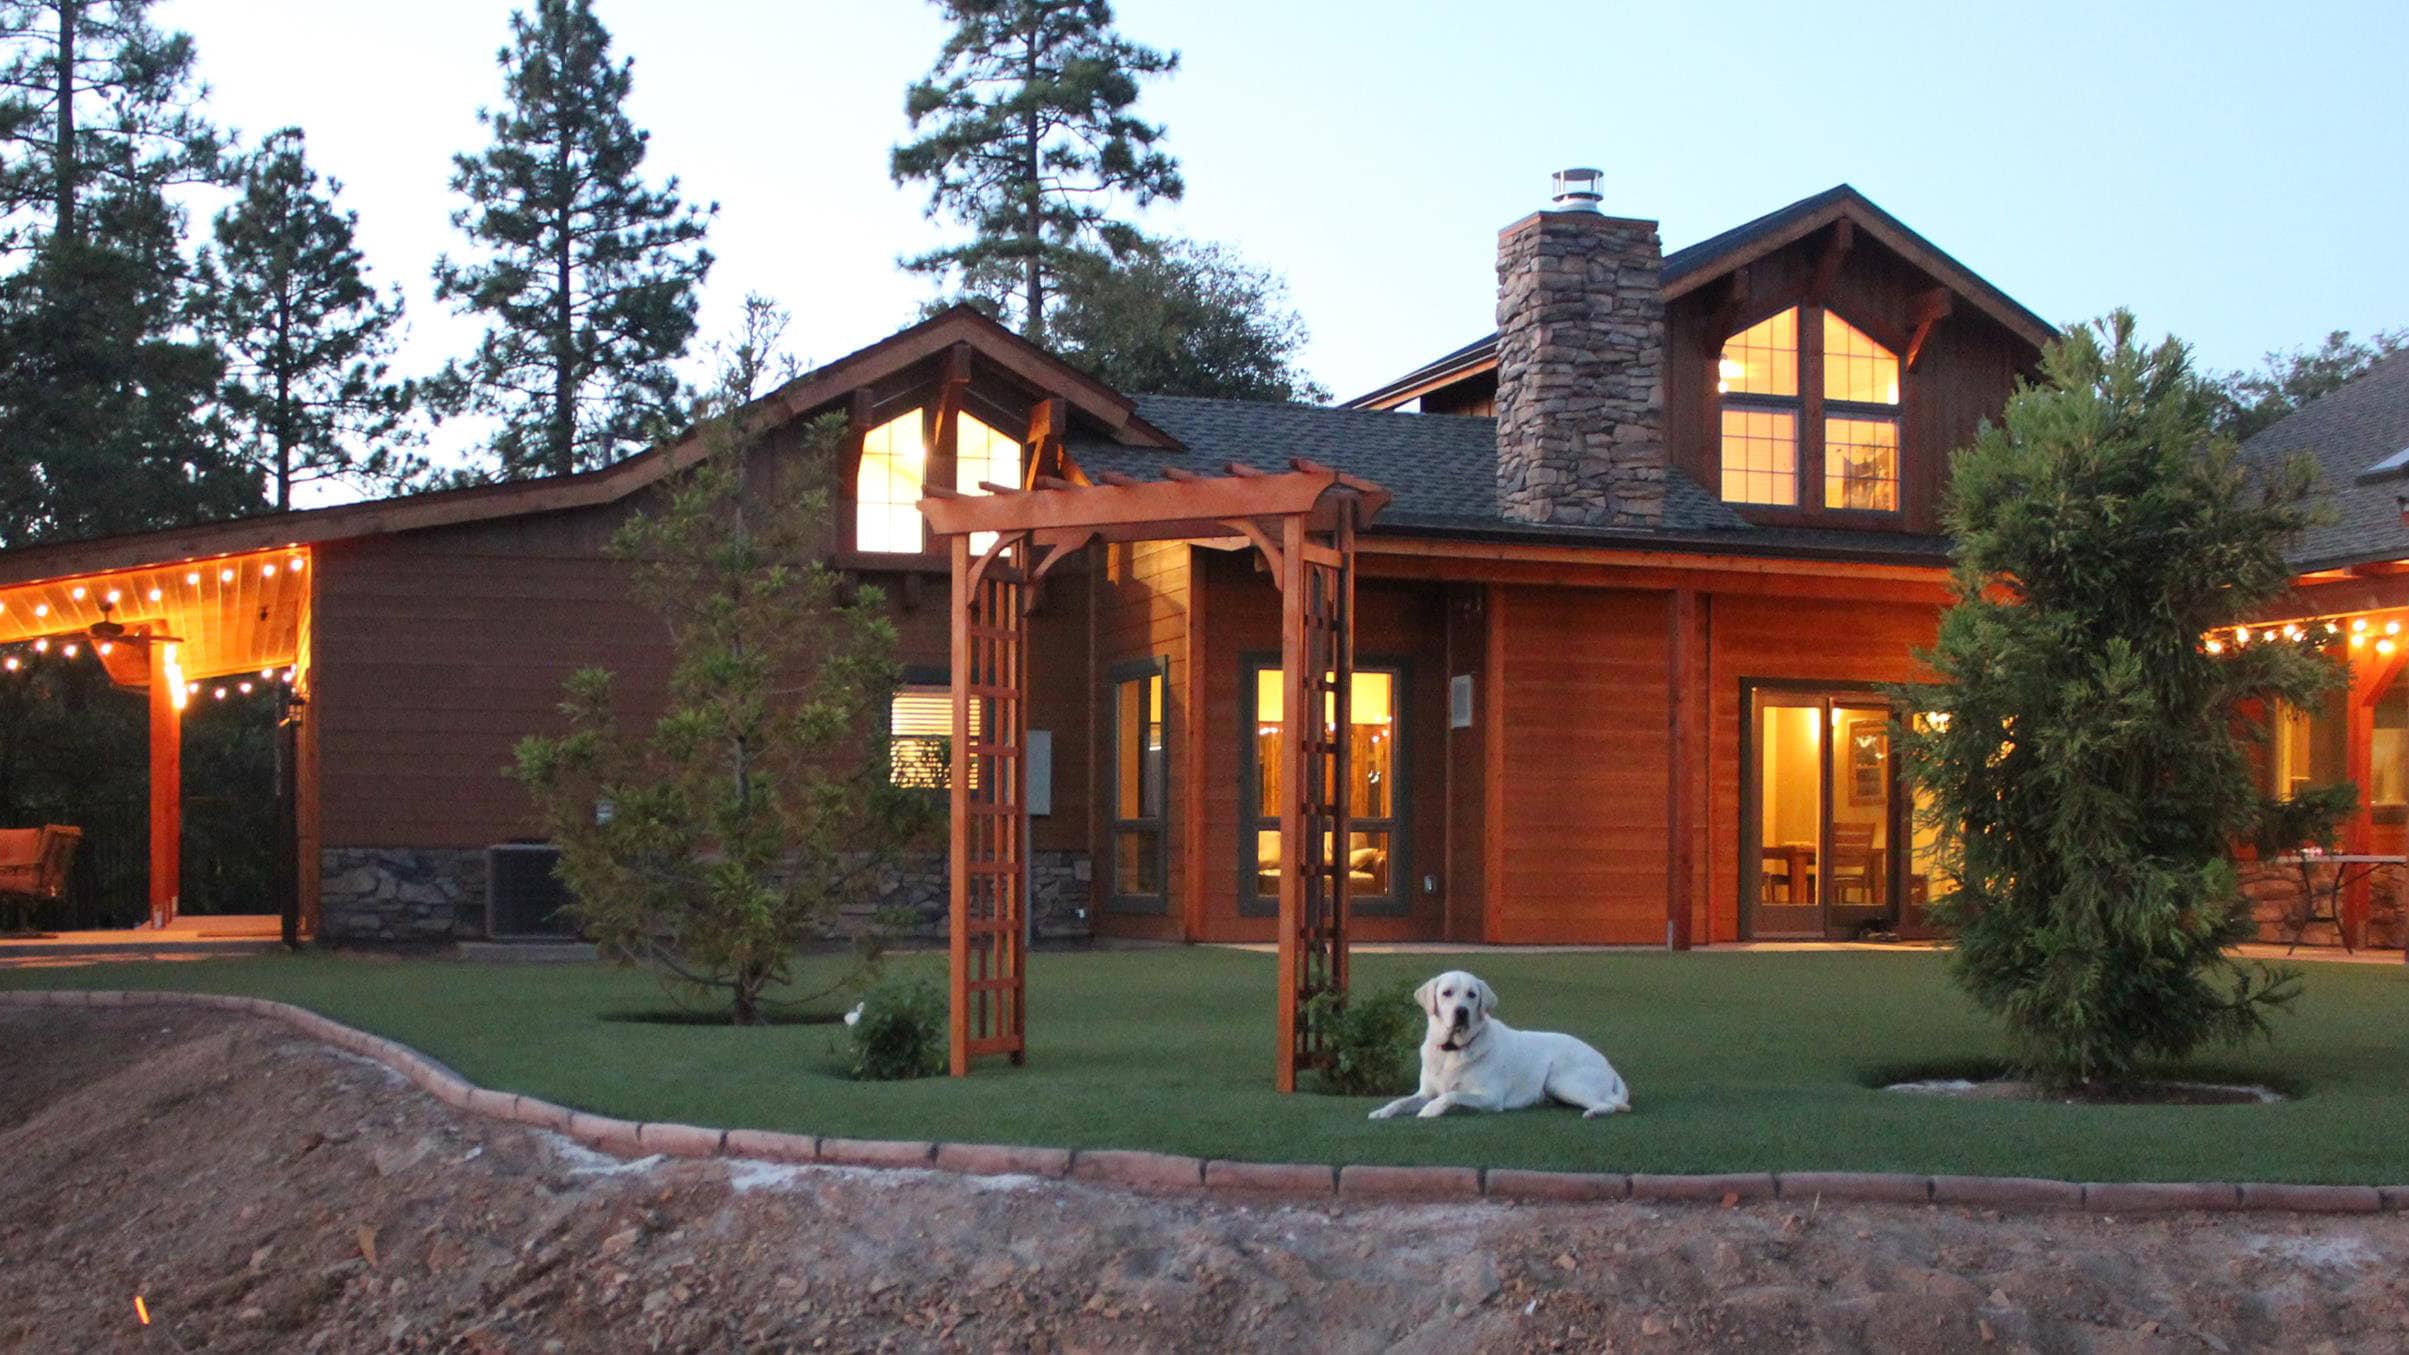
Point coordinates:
pixel 1821 816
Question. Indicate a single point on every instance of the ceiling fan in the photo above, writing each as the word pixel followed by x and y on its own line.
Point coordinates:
pixel 109 630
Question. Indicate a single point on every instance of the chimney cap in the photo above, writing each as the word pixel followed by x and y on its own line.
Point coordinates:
pixel 1579 189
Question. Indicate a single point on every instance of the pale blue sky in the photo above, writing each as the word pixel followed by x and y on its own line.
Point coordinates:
pixel 2233 172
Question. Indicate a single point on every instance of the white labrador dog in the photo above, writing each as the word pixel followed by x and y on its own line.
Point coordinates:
pixel 1473 1061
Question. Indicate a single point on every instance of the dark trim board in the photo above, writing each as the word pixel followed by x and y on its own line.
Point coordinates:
pixel 1157 666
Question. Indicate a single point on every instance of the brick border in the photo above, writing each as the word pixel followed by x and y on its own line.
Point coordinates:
pixel 1132 1169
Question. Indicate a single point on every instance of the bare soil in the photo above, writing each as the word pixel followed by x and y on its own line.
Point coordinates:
pixel 265 1193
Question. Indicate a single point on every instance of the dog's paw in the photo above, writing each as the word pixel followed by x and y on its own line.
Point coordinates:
pixel 1600 1112
pixel 1432 1111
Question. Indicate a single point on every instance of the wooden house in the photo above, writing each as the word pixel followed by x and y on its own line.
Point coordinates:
pixel 1655 551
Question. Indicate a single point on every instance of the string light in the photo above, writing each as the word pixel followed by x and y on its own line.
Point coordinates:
pixel 113 596
pixel 76 592
pixel 193 578
pixel 267 571
pixel 105 648
pixel 69 649
pixel 225 576
pixel 155 595
pixel 41 609
pixel 2215 646
pixel 220 693
pixel 245 687
pixel 10 663
pixel 42 646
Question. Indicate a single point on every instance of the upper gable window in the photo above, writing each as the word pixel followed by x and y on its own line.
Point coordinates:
pixel 894 472
pixel 983 454
pixel 887 488
pixel 1779 422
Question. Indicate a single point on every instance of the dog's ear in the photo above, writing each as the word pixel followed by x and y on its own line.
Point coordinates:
pixel 1423 997
pixel 1488 996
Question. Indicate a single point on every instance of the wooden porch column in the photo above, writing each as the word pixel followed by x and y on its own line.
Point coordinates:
pixel 167 783
pixel 1683 747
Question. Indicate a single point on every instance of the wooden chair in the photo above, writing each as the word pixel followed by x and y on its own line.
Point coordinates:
pixel 1854 877
pixel 34 863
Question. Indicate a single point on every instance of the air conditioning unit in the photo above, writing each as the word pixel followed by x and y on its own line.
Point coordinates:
pixel 523 898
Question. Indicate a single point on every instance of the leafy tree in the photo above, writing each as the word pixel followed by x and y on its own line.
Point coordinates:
pixel 100 387
pixel 2084 764
pixel 285 294
pixel 1183 318
pixel 588 276
pixel 1026 135
pixel 2251 401
pixel 734 827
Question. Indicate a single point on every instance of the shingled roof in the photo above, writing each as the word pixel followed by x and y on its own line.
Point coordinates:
pixel 1442 470
pixel 2352 434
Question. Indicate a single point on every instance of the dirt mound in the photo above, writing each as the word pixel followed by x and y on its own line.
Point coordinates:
pixel 263 1193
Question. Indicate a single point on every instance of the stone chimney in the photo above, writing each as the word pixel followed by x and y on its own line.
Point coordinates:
pixel 1580 365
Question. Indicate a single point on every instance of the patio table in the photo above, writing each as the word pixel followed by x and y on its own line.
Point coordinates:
pixel 2332 892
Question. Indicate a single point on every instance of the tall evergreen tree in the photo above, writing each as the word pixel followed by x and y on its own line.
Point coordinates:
pixel 306 339
pixel 94 101
pixel 1026 135
pixel 101 391
pixel 588 276
pixel 2086 774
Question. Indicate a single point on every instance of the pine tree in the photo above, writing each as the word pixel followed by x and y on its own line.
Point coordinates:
pixel 760 803
pixel 1028 138
pixel 2083 758
pixel 306 339
pixel 101 391
pixel 588 276
pixel 1182 318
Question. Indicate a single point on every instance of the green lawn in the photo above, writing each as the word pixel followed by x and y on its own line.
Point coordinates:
pixel 1736 1061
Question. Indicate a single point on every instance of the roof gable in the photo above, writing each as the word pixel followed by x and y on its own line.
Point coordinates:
pixel 1694 266
pixel 815 390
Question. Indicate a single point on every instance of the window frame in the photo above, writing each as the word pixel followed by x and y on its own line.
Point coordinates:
pixel 1812 412
pixel 1398 902
pixel 1157 668
pixel 924 681
pixel 940 430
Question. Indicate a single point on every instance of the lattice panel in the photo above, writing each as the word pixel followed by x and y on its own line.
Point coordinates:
pixel 989 875
pixel 1318 655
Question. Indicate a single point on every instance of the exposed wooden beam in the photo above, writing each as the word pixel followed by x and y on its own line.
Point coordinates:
pixel 1729 307
pixel 1827 264
pixel 1927 310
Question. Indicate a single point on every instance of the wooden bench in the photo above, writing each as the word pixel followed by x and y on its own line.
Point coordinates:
pixel 34 863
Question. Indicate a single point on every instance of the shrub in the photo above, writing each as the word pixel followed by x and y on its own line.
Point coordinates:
pixel 2087 778
pixel 898 1032
pixel 1370 1041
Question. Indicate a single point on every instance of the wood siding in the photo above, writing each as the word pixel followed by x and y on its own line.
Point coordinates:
pixel 1579 849
pixel 433 652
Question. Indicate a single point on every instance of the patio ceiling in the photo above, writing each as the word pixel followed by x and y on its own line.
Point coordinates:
pixel 232 613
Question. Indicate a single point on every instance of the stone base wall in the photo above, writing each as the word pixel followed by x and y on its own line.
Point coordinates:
pixel 2275 899
pixel 402 894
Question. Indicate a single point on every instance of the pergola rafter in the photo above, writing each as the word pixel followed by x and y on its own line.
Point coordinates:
pixel 1303 522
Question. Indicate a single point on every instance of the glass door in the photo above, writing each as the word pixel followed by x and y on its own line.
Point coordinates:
pixel 1820 821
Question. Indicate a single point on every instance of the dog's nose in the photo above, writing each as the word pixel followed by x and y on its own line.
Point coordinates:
pixel 1463 1016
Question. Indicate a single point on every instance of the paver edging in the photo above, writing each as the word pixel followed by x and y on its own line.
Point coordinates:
pixel 1145 1170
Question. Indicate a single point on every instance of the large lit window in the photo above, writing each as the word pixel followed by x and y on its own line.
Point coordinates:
pixel 982 454
pixel 1140 785
pixel 1773 424
pixel 2388 761
pixel 887 488
pixel 1758 379
pixel 920 736
pixel 1372 764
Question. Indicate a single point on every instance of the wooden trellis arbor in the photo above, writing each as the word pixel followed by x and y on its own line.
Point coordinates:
pixel 1303 521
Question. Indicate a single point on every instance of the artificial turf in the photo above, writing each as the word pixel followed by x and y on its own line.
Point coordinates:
pixel 1737 1061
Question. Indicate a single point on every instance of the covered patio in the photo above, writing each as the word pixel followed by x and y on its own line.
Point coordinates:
pixel 180 632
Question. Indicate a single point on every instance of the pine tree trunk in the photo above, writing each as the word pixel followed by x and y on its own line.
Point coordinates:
pixel 284 397
pixel 1034 327
pixel 63 170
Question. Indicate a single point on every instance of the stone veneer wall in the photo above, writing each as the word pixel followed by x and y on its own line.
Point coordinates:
pixel 1580 371
pixel 400 894
pixel 2274 896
